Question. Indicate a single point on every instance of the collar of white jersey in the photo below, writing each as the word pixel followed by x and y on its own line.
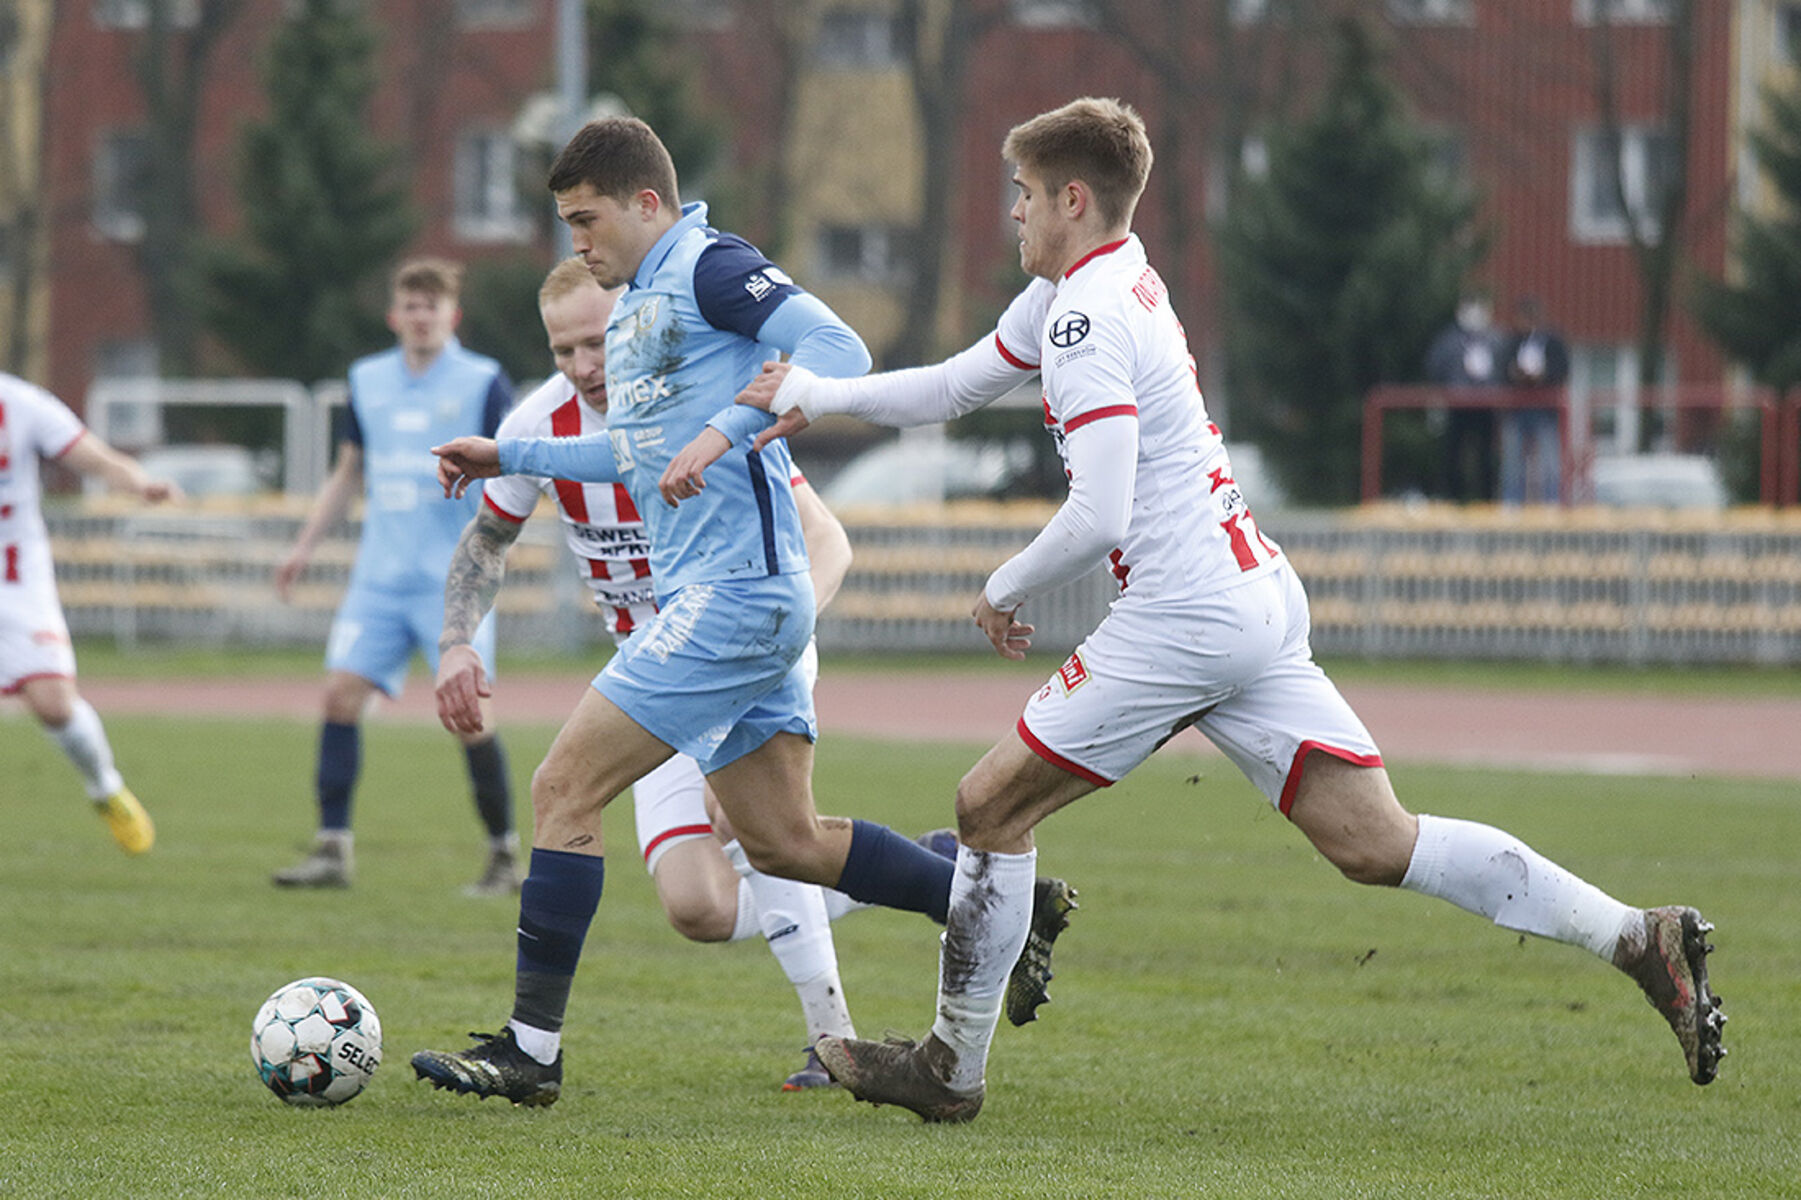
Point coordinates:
pixel 1131 239
pixel 694 216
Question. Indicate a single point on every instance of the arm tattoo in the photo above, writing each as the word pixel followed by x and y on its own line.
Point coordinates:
pixel 476 570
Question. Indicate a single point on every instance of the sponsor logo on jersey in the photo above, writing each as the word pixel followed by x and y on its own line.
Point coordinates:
pixel 761 283
pixel 674 625
pixel 1150 289
pixel 1073 673
pixel 1069 328
pixel 643 390
pixel 1079 352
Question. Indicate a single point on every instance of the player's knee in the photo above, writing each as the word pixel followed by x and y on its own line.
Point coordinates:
pixel 980 818
pixel 787 860
pixel 699 921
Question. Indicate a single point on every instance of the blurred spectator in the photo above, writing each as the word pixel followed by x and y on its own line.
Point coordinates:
pixel 1468 354
pixel 1536 357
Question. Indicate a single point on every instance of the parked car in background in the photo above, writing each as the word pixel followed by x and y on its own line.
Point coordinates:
pixel 1659 481
pixel 930 470
pixel 211 469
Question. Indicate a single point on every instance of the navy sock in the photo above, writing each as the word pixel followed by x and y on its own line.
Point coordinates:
pixel 340 757
pixel 887 869
pixel 493 791
pixel 556 904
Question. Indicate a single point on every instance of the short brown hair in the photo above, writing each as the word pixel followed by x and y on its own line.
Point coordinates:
pixel 569 275
pixel 618 157
pixel 431 276
pixel 1101 142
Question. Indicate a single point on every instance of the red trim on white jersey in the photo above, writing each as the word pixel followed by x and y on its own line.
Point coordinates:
pixel 71 444
pixel 1057 760
pixel 501 512
pixel 1109 248
pixel 18 685
pixel 1095 414
pixel 1013 359
pixel 1293 782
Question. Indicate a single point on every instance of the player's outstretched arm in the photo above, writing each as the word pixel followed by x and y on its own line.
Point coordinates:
pixel 91 456
pixel 461 461
pixel 477 569
pixel 765 391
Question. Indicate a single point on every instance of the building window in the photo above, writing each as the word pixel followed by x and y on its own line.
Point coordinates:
pixel 488 207
pixel 121 174
pixel 135 14
pixel 1433 12
pixel 1622 12
pixel 1054 14
pixel 1645 164
pixel 496 14
pixel 9 34
pixel 1788 33
pixel 854 40
pixel 864 253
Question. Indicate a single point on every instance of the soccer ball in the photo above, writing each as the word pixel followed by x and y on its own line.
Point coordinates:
pixel 316 1041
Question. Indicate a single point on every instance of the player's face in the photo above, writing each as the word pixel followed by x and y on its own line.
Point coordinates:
pixel 610 237
pixel 1044 233
pixel 577 324
pixel 422 322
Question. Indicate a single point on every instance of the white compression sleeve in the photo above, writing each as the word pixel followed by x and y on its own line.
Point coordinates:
pixel 1103 469
pixel 960 384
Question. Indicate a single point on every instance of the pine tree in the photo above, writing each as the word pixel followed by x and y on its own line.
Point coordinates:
pixel 298 294
pixel 1339 266
pixel 1757 320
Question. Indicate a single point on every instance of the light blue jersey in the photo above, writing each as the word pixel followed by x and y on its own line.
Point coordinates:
pixel 410 530
pixel 701 316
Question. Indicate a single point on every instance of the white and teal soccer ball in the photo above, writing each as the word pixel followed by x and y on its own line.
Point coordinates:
pixel 316 1042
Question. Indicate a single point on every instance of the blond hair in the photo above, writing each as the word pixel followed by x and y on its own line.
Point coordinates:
pixel 569 275
pixel 429 276
pixel 1101 142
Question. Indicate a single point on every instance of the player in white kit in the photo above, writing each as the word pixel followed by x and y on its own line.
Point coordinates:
pixel 709 891
pixel 1210 629
pixel 37 663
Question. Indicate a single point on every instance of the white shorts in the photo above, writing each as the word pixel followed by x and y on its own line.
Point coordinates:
pixel 669 804
pixel 34 639
pixel 1235 664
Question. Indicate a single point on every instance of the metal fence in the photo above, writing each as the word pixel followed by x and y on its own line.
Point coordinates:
pixel 1579 585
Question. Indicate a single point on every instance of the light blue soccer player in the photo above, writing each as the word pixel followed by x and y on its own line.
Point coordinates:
pixel 403 401
pixel 711 675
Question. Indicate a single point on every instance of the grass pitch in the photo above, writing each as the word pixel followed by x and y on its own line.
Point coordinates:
pixel 1230 1018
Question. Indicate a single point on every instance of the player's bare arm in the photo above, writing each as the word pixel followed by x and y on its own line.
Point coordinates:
pixel 682 478
pixel 828 546
pixel 333 501
pixel 91 456
pixel 477 570
pixel 463 460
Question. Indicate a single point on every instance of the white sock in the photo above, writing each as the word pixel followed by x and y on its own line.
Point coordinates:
pixel 837 904
pixel 989 918
pixel 1492 873
pixel 541 1044
pixel 794 923
pixel 83 741
pixel 747 923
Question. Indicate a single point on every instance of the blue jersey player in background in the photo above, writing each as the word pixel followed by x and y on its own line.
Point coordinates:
pixel 403 401
pixel 711 675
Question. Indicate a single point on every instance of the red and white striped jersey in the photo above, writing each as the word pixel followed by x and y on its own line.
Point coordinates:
pixel 1108 345
pixel 34 425
pixel 601 525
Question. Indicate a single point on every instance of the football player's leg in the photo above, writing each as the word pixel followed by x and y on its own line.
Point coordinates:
pixel 596 755
pixel 490 782
pixel 75 727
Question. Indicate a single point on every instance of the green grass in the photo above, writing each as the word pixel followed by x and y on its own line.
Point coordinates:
pixel 1231 1019
pixel 101 658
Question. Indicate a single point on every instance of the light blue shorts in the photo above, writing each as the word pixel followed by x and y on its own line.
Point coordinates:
pixel 375 633
pixel 712 674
